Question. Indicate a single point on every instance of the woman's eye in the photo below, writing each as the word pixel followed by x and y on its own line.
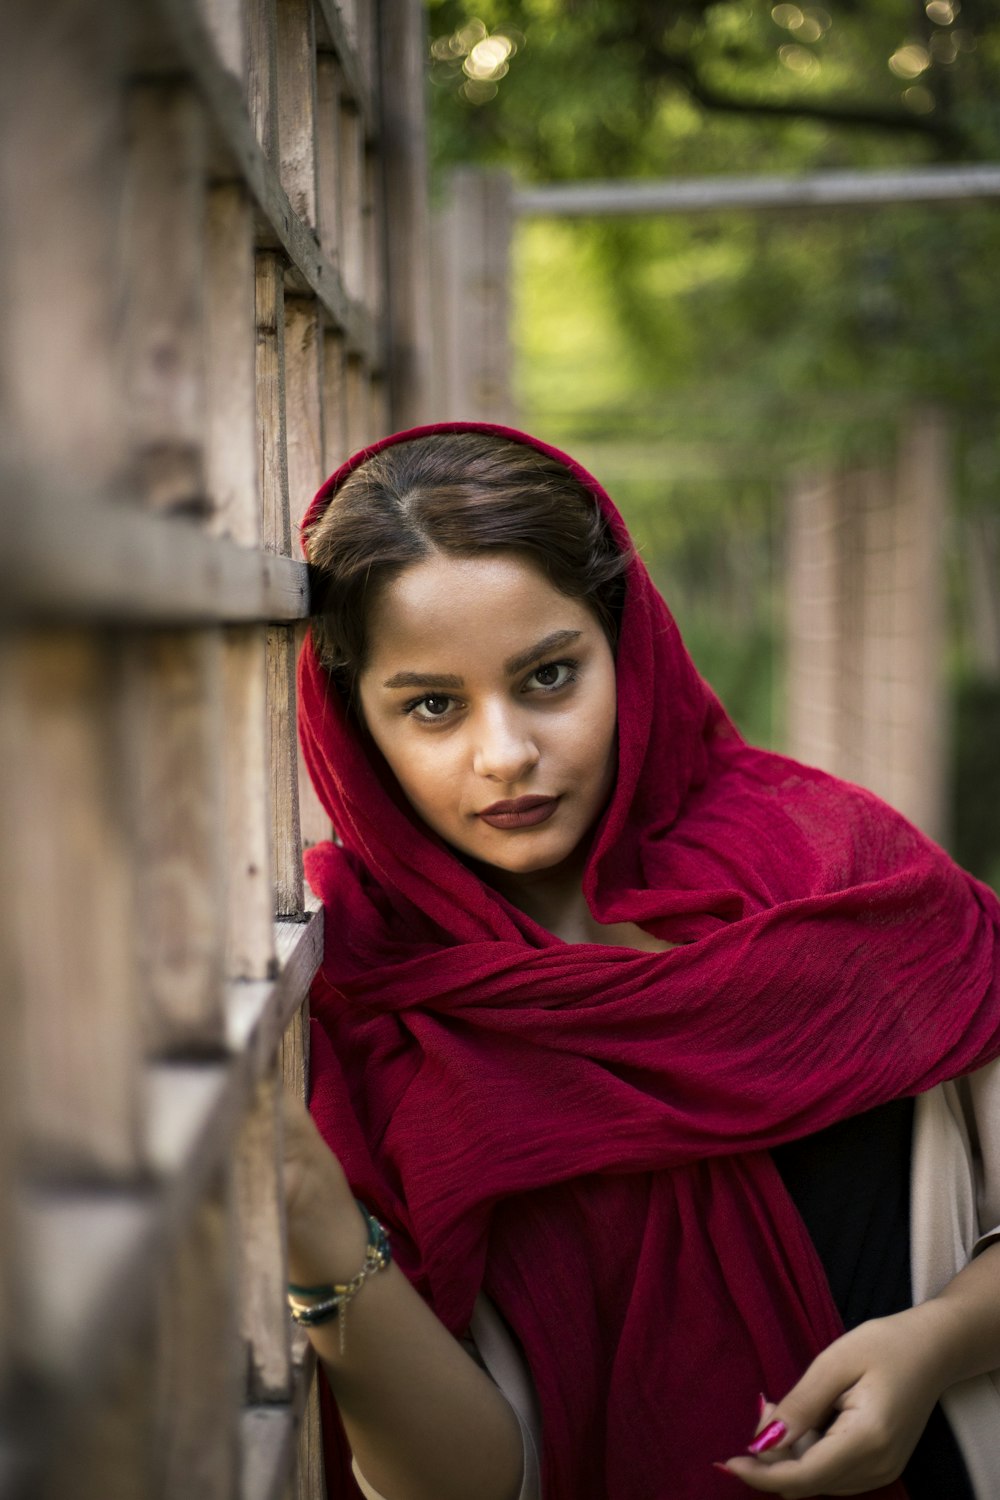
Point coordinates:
pixel 433 707
pixel 554 674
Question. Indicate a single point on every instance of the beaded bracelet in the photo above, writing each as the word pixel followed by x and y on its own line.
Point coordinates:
pixel 336 1295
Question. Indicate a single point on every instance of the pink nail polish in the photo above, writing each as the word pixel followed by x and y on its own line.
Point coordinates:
pixel 769 1438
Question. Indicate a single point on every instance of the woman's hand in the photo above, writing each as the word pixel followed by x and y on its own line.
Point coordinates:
pixel 326 1234
pixel 854 1418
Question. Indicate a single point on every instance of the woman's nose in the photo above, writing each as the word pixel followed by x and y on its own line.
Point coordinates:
pixel 504 749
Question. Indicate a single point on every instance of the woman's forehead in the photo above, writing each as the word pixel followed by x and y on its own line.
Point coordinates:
pixel 450 606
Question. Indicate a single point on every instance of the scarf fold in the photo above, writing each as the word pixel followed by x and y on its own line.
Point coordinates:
pixel 581 1131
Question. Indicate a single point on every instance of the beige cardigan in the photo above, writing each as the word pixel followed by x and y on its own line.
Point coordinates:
pixel 954 1213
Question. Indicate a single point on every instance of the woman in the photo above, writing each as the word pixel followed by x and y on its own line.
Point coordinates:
pixel 618 1030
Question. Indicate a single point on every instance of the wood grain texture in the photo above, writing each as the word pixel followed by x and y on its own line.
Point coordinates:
pixel 250 883
pixel 328 204
pixel 287 842
pixel 335 438
pixel 304 407
pixel 60 355
pixel 165 239
pixel 69 841
pixel 233 476
pixel 271 427
pixel 260 1220
pixel 296 79
pixel 198 1378
pixel 352 191
pixel 176 736
pixel 262 74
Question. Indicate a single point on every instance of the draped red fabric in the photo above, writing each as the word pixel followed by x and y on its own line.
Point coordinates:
pixel 582 1131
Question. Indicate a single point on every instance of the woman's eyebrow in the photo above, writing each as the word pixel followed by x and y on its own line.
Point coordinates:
pixel 553 642
pixel 423 680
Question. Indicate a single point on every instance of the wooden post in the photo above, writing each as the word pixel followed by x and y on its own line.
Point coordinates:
pixel 271 430
pixel 232 467
pixel 165 239
pixel 472 273
pixel 262 74
pixel 72 907
pixel 296 78
pixel 404 168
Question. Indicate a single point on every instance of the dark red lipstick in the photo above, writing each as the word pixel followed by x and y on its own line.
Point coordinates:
pixel 522 812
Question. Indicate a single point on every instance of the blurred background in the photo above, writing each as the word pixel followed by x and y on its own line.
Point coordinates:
pixel 795 405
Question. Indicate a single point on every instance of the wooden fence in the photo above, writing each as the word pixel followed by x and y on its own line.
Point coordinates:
pixel 866 624
pixel 195 276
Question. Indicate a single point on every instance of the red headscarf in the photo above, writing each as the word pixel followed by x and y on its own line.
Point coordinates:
pixel 583 1131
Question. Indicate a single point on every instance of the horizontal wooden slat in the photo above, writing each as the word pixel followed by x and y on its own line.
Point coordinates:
pixel 79 558
pixel 278 226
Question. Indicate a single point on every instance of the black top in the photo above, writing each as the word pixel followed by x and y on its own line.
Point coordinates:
pixel 851 1184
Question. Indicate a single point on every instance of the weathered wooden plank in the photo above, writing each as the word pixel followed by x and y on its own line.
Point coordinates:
pixel 249 885
pixel 271 428
pixel 360 427
pixel 59 356
pixel 73 556
pixel 403 162
pixel 310 1480
pixel 335 437
pixel 352 198
pixel 328 206
pixel 232 469
pixel 296 76
pixel 294 1052
pixel 336 32
pixel 286 836
pixel 69 843
pixel 314 824
pixel 197 1446
pixel 176 736
pixel 262 83
pixel 263 1315
pixel 304 408
pixel 165 212
pixel 267 1437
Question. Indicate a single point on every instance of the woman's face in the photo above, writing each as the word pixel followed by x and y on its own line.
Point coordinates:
pixel 492 697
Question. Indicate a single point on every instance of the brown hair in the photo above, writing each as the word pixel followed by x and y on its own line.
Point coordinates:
pixel 463 493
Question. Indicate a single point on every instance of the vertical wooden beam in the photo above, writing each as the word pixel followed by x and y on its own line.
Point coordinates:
pixel 403 164
pixel 296 76
pixel 352 195
pixel 264 1325
pixel 262 74
pixel 272 446
pixel 250 882
pixel 71 909
pixel 60 213
pixel 177 738
pixel 328 154
pixel 232 466
pixel 811 733
pixel 304 408
pixel 165 241
pixel 335 438
pixel 284 770
pixel 472 272
pixel 923 479
pixel 198 1384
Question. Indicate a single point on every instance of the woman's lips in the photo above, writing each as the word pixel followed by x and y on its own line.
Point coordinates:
pixel 523 812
